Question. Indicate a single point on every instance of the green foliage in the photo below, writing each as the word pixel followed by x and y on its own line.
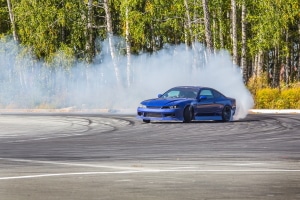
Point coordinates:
pixel 269 22
pixel 46 25
pixel 4 18
pixel 63 58
pixel 49 27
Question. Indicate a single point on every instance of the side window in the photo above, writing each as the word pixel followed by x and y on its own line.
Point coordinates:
pixel 217 94
pixel 208 93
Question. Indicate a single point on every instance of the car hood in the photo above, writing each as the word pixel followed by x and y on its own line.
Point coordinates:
pixel 159 102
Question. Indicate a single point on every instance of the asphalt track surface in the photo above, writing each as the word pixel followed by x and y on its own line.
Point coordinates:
pixel 90 156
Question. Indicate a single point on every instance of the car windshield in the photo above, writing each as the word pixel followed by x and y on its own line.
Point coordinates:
pixel 180 93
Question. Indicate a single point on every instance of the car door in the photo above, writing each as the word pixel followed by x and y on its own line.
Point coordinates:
pixel 220 101
pixel 205 105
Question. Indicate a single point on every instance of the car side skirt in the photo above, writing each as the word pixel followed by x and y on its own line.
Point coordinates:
pixel 174 115
pixel 207 118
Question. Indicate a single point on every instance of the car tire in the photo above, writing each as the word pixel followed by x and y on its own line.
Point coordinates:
pixel 187 115
pixel 146 120
pixel 226 114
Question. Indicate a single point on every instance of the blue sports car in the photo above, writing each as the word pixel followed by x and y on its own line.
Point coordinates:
pixel 186 104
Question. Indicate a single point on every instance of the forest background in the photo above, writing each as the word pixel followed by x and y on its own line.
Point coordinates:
pixel 262 36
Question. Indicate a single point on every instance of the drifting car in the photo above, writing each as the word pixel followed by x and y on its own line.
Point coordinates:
pixel 187 104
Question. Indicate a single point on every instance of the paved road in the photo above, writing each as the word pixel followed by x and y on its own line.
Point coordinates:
pixel 71 156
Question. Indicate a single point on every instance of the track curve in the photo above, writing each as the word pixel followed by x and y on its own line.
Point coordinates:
pixel 87 156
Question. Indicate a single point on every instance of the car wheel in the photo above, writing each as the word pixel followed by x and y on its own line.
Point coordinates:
pixel 146 120
pixel 187 115
pixel 226 114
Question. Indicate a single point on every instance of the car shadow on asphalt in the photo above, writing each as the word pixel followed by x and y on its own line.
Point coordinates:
pixel 203 122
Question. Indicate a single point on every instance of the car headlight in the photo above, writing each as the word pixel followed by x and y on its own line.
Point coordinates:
pixel 142 106
pixel 171 107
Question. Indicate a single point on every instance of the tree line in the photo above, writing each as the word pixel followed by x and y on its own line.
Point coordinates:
pixel 263 37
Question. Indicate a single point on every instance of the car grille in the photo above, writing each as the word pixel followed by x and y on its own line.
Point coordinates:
pixel 152 115
pixel 153 107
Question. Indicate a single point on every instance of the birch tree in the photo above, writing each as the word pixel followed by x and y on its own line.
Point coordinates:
pixel 109 28
pixel 128 47
pixel 189 25
pixel 234 32
pixel 125 9
pixel 208 35
pixel 244 43
pixel 12 20
pixel 90 41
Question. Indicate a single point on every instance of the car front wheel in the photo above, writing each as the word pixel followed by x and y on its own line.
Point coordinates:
pixel 187 115
pixel 146 120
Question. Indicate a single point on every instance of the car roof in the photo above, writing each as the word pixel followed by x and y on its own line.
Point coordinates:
pixel 195 87
pixel 191 87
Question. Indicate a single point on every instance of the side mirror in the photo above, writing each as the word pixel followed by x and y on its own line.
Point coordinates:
pixel 159 95
pixel 202 98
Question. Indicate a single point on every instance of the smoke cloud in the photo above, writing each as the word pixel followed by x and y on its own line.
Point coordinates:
pixel 26 83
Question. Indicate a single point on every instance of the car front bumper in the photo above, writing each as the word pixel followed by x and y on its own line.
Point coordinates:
pixel 158 114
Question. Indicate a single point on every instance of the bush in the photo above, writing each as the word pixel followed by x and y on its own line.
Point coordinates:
pixel 291 97
pixel 268 98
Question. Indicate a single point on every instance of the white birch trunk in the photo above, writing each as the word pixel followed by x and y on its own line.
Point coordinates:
pixel 287 62
pixel 208 37
pixel 190 35
pixel 186 36
pixel 234 33
pixel 221 37
pixel 12 21
pixel 189 22
pixel 89 33
pixel 128 48
pixel 111 41
pixel 244 44
pixel 260 62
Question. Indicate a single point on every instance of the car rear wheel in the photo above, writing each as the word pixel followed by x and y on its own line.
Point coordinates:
pixel 226 114
pixel 187 115
pixel 146 120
